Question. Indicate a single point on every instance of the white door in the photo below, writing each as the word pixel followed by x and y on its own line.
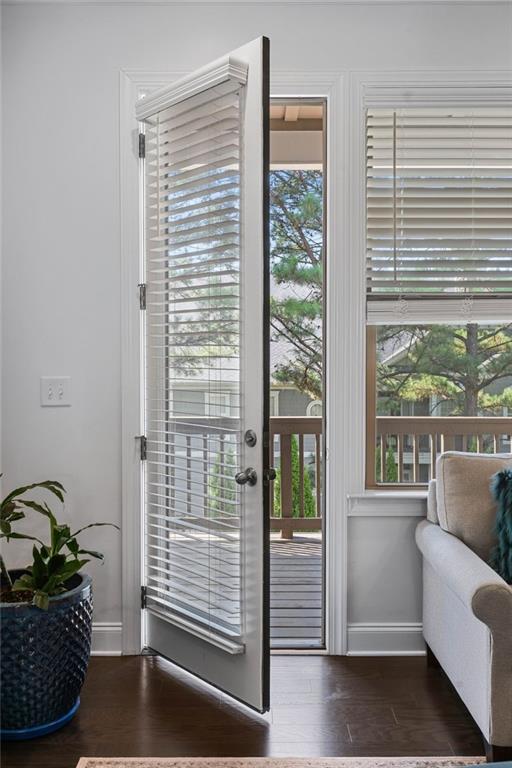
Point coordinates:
pixel 206 373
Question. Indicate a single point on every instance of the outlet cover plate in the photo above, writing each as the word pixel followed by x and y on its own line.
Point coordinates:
pixel 55 391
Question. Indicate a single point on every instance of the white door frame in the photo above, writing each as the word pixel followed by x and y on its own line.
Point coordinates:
pixel 339 460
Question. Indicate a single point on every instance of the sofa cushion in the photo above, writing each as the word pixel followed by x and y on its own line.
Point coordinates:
pixel 432 502
pixel 465 506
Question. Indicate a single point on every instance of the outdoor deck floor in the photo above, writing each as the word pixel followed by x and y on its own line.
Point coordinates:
pixel 296 592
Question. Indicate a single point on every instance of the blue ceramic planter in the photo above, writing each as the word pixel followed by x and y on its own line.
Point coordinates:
pixel 43 661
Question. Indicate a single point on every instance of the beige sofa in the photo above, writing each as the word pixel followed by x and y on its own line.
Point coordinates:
pixel 467 607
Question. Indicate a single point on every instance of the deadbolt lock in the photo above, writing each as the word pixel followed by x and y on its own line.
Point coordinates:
pixel 250 438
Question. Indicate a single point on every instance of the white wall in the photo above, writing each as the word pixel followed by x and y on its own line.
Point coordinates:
pixel 62 261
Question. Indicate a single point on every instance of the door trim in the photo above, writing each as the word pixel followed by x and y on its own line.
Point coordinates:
pixel 328 85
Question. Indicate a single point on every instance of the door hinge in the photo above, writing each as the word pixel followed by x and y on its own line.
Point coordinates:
pixel 143 447
pixel 143 597
pixel 142 295
pixel 142 145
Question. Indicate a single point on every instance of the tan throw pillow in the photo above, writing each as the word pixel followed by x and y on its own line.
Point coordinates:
pixel 465 506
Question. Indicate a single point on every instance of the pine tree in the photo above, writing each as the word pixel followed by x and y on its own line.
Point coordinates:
pixel 296 220
pixel 451 364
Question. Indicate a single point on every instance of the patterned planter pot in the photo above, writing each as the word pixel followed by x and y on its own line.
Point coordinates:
pixel 43 660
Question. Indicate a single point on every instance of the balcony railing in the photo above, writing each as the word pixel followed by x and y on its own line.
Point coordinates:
pixel 406 447
pixel 296 449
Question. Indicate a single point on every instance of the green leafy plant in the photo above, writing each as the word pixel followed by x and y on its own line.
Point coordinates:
pixel 53 564
pixel 222 489
pixel 391 469
pixel 308 497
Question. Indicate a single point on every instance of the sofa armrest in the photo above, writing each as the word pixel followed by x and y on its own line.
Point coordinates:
pixel 472 580
pixel 488 598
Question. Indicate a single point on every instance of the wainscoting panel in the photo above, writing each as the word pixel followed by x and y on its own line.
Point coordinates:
pixel 384 574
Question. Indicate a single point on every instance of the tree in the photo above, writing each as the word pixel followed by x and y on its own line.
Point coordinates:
pixel 309 501
pixel 390 469
pixel 446 364
pixel 296 216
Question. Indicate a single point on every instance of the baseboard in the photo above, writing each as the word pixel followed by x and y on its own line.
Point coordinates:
pixel 385 639
pixel 107 639
pixel 364 639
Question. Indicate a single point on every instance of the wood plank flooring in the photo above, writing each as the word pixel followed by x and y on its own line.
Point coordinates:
pixel 321 706
pixel 296 592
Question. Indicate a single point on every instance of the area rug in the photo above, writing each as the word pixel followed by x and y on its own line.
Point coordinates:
pixel 278 762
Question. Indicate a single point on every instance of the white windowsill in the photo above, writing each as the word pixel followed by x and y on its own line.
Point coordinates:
pixel 393 503
pixel 391 494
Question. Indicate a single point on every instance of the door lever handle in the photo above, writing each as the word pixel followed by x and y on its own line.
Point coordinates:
pixel 247 476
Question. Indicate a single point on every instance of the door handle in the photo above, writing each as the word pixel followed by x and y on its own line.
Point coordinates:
pixel 247 476
pixel 269 476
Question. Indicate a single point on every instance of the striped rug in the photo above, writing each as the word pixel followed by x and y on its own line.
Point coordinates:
pixel 278 762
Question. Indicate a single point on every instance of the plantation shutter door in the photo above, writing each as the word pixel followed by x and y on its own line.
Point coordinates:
pixel 206 542
pixel 439 202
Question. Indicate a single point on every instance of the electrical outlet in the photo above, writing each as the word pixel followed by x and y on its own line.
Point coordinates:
pixel 55 391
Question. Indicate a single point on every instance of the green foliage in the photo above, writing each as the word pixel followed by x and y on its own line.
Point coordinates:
pixel 53 563
pixel 493 404
pixel 221 485
pixel 453 364
pixel 296 217
pixel 309 499
pixel 390 469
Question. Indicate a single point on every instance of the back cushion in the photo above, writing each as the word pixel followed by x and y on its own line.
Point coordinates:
pixel 465 506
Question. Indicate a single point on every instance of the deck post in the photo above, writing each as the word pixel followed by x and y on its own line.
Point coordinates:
pixel 286 486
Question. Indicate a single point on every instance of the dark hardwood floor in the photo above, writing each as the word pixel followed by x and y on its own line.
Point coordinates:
pixel 321 706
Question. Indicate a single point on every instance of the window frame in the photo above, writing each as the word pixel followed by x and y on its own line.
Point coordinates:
pixel 396 90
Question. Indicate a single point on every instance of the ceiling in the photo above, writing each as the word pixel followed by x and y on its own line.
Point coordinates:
pixel 296 117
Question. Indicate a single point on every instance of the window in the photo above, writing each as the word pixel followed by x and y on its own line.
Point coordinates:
pixel 220 404
pixel 436 388
pixel 439 281
pixel 194 511
pixel 314 408
pixel 439 201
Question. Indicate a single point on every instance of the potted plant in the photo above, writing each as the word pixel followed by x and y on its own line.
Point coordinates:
pixel 46 618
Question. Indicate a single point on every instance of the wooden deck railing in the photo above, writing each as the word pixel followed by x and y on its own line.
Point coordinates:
pixel 405 448
pixel 295 512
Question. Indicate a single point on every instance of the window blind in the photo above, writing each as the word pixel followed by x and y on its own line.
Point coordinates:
pixel 193 518
pixel 439 201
